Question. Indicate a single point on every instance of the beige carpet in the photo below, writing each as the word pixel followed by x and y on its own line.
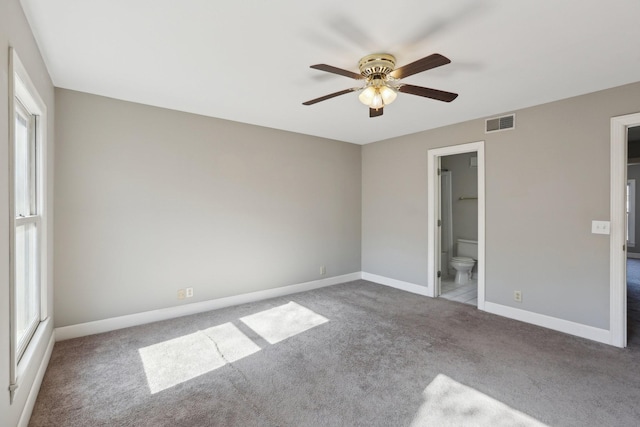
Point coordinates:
pixel 357 354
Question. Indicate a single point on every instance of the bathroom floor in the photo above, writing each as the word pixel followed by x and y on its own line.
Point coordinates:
pixel 467 294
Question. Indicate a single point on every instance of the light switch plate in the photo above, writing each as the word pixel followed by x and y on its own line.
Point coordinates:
pixel 600 227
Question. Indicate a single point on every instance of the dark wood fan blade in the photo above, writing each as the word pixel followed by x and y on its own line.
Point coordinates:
pixel 440 95
pixel 375 113
pixel 424 64
pixel 331 95
pixel 336 70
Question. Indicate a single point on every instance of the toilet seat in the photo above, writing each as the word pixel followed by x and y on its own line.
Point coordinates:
pixel 462 259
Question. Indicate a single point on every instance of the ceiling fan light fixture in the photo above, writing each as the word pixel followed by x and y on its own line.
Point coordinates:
pixel 367 95
pixel 377 101
pixel 388 94
pixel 377 95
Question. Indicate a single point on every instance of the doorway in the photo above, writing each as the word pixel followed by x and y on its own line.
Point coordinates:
pixel 459 228
pixel 633 235
pixel 436 249
pixel 618 240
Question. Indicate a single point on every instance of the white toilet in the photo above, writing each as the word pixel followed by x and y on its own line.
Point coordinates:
pixel 466 259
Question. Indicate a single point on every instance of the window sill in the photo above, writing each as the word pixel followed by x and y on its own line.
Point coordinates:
pixel 32 357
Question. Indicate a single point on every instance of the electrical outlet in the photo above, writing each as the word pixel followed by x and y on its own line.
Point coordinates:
pixel 181 294
pixel 323 270
pixel 517 296
pixel 189 292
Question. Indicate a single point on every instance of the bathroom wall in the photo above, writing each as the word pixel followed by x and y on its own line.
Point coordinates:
pixel 464 183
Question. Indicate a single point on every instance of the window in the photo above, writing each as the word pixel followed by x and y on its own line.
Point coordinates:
pixel 27 222
pixel 28 219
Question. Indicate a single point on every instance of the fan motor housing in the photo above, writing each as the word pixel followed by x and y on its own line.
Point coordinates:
pixel 377 63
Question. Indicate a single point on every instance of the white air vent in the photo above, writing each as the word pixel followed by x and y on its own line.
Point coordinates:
pixel 500 123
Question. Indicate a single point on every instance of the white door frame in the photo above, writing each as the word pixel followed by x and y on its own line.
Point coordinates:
pixel 433 249
pixel 617 248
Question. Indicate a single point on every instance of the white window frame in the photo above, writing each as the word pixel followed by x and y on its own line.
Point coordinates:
pixel 22 88
pixel 631 213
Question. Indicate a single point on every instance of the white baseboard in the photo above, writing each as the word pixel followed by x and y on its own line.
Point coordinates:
pixel 634 255
pixel 37 382
pixel 111 324
pixel 566 326
pixel 398 284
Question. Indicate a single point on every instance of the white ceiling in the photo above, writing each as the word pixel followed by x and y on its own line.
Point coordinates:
pixel 248 61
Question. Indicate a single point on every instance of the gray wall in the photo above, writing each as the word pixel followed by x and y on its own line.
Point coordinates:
pixel 633 172
pixel 151 200
pixel 15 32
pixel 464 183
pixel 546 180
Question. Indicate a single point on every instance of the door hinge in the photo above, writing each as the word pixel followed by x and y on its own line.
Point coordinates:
pixel 439 171
pixel 439 274
pixel 623 247
pixel 439 223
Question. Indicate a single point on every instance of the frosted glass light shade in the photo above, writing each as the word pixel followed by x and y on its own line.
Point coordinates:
pixel 388 95
pixel 377 96
pixel 367 95
pixel 377 101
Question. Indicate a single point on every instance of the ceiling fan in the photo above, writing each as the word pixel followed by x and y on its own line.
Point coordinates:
pixel 382 80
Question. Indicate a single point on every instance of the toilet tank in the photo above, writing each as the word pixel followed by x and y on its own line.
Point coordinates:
pixel 468 248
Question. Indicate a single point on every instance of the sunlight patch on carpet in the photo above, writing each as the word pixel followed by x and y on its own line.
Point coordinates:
pixel 449 403
pixel 181 359
pixel 285 321
pixel 175 361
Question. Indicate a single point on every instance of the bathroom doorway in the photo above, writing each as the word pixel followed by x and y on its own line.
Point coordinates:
pixel 456 223
pixel 459 227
